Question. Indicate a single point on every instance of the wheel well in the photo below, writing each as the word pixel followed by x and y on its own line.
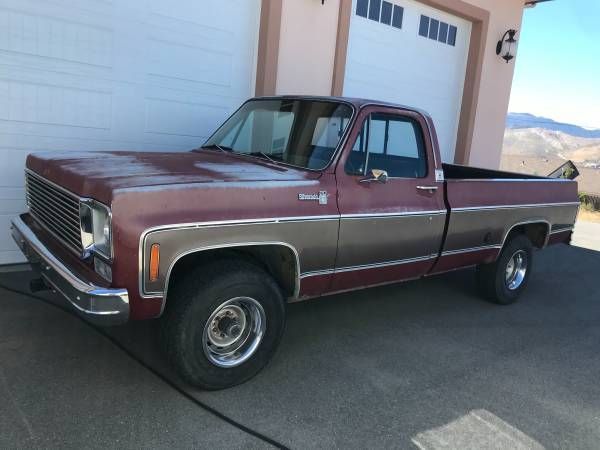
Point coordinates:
pixel 537 232
pixel 279 260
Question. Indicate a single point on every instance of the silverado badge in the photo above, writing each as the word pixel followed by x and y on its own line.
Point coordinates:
pixel 321 197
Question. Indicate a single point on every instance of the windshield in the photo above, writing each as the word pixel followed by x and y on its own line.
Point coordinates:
pixel 303 133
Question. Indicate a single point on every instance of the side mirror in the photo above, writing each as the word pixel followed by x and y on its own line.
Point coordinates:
pixel 377 175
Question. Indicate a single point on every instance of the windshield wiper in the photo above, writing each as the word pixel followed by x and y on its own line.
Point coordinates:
pixel 264 155
pixel 226 149
pixel 223 148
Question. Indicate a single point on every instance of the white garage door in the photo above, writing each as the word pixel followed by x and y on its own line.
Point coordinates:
pixel 116 74
pixel 405 52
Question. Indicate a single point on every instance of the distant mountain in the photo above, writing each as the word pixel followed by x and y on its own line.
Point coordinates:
pixel 524 120
pixel 538 145
pixel 542 143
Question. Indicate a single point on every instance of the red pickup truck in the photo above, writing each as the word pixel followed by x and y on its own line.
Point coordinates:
pixel 291 198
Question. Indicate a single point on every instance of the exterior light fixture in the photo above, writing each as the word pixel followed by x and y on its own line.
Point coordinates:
pixel 509 39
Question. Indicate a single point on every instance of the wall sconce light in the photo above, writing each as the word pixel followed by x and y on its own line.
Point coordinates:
pixel 509 39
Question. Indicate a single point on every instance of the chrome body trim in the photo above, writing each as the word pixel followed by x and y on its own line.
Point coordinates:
pixel 520 180
pixel 219 223
pixel 367 266
pixel 316 273
pixel 164 293
pixel 471 250
pixel 369 286
pixel 385 264
pixel 102 306
pixel 535 205
pixel 562 230
pixel 398 262
pixel 392 214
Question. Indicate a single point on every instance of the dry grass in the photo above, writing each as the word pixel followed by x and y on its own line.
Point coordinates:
pixel 588 215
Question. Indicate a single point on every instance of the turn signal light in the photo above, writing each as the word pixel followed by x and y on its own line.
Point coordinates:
pixel 154 261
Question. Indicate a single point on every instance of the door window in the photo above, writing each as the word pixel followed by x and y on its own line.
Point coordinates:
pixel 390 143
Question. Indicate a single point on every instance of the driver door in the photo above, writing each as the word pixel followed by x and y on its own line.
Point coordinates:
pixel 390 230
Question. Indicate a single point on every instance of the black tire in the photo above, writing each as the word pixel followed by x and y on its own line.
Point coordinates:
pixel 190 305
pixel 492 278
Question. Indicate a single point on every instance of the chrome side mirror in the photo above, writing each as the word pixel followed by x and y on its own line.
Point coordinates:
pixel 377 175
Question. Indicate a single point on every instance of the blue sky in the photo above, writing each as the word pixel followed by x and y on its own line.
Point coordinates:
pixel 557 73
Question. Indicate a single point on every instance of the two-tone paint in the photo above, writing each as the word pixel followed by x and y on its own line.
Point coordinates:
pixel 365 234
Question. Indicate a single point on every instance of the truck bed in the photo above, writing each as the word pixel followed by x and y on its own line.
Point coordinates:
pixel 455 171
pixel 484 206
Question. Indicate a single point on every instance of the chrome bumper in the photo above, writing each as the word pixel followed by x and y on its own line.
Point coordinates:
pixel 99 305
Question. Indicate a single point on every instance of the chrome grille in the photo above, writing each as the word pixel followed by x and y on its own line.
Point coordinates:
pixel 56 209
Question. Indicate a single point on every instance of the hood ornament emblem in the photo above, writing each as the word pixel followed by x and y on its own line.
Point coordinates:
pixel 321 197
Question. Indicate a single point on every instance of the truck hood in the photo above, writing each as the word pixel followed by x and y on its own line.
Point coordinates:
pixel 99 174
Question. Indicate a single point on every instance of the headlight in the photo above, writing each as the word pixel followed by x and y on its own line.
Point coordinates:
pixel 96 228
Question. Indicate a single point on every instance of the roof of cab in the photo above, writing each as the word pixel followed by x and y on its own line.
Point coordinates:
pixel 356 102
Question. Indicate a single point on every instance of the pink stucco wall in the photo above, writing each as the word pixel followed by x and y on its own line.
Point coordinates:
pixel 496 82
pixel 306 58
pixel 307 46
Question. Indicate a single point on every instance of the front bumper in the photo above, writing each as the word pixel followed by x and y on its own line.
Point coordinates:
pixel 99 305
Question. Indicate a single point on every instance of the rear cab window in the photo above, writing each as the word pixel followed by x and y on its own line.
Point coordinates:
pixel 389 142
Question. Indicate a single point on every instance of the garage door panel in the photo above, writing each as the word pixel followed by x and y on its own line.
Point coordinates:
pixel 13 160
pixel 208 13
pixel 7 245
pixel 182 118
pixel 47 104
pixel 399 65
pixel 18 66
pixel 116 75
pixel 180 61
pixel 12 199
pixel 51 36
pixel 389 78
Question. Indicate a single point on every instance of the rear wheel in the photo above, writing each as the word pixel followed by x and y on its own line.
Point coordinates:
pixel 504 280
pixel 223 323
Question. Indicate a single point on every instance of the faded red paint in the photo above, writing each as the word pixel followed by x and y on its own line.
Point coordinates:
pixel 146 190
pixel 447 263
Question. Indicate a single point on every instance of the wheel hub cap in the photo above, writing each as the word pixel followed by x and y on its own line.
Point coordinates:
pixel 516 269
pixel 226 326
pixel 234 331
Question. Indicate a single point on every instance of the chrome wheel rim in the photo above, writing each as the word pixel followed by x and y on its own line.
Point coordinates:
pixel 234 331
pixel 516 269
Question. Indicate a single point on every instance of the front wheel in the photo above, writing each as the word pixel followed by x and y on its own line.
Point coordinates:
pixel 504 280
pixel 223 323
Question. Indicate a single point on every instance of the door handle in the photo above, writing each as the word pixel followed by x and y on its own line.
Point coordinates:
pixel 427 188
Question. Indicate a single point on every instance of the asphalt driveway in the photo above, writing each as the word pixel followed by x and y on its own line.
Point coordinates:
pixel 424 364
